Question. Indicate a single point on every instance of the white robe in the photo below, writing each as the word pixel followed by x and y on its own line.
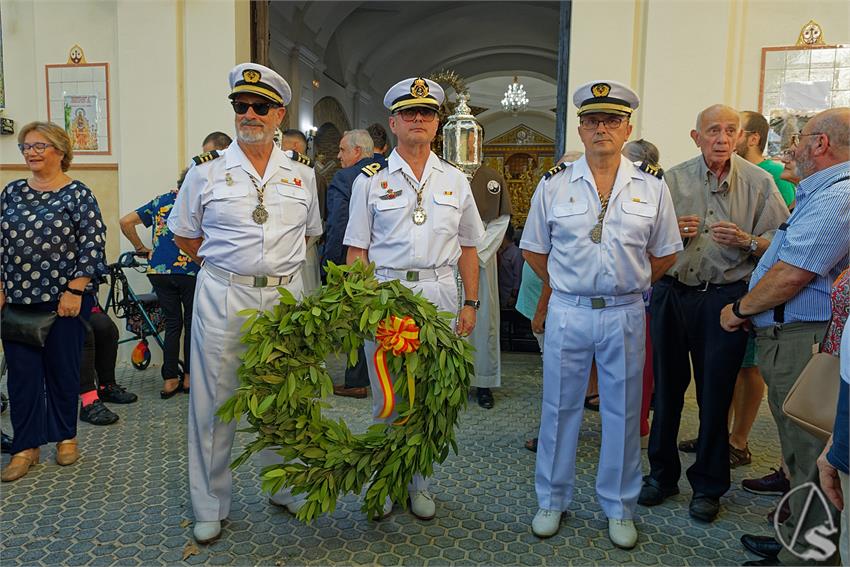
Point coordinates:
pixel 485 336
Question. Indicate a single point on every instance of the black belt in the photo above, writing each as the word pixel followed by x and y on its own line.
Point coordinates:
pixel 704 286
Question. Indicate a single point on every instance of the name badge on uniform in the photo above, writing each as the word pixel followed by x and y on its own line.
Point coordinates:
pixel 493 187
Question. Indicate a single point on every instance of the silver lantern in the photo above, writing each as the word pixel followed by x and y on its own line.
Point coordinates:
pixel 462 139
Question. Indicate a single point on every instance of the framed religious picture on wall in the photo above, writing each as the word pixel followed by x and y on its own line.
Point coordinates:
pixel 78 100
pixel 800 80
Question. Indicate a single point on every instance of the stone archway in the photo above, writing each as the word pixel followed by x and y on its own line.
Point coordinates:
pixel 326 147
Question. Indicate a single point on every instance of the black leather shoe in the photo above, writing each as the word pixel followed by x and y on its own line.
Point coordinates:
pixel 115 394
pixel 6 444
pixel 773 561
pixel 704 508
pixel 97 414
pixel 485 398
pixel 651 495
pixel 763 546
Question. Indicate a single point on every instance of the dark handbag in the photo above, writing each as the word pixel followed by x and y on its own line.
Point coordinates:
pixel 22 324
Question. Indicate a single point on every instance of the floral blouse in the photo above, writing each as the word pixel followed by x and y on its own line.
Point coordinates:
pixel 48 239
pixel 840 309
pixel 167 258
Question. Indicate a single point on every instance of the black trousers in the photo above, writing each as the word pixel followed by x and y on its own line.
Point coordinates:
pixel 100 353
pixel 176 295
pixel 357 376
pixel 686 321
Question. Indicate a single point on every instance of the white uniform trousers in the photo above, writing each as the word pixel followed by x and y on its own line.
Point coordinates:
pixel 485 335
pixel 215 359
pixel 310 272
pixel 574 334
pixel 442 293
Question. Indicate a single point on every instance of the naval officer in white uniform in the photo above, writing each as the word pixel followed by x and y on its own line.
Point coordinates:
pixel 416 219
pixel 599 231
pixel 246 212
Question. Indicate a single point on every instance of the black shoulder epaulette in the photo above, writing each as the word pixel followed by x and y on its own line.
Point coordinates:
pixel 207 156
pixel 300 158
pixel 557 169
pixel 444 160
pixel 373 168
pixel 651 168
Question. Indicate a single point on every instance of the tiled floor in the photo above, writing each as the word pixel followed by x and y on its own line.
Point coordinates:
pixel 126 501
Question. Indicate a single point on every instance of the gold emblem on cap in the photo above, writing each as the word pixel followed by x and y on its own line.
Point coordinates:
pixel 600 89
pixel 251 76
pixel 419 88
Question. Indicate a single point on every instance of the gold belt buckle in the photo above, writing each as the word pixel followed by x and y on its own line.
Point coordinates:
pixel 261 281
pixel 412 276
pixel 597 302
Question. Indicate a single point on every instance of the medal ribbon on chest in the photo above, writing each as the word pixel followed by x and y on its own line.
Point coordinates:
pixel 419 216
pixel 260 214
pixel 596 231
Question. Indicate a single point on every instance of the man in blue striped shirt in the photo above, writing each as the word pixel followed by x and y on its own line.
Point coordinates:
pixel 789 304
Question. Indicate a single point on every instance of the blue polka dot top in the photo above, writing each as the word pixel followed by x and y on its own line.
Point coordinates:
pixel 48 239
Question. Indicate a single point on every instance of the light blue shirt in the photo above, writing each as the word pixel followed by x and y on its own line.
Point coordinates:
pixel 640 221
pixel 817 239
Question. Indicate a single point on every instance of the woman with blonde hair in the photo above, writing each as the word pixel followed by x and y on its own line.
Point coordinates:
pixel 52 247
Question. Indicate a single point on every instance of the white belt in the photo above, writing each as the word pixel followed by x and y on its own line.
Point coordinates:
pixel 253 281
pixel 415 275
pixel 599 302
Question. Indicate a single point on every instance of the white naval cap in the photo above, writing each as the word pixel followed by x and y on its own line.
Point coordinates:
pixel 414 92
pixel 605 96
pixel 257 79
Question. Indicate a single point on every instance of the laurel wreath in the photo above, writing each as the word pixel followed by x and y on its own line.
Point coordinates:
pixel 283 380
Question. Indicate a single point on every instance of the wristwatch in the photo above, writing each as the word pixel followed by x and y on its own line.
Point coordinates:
pixel 736 310
pixel 474 303
pixel 754 245
pixel 73 291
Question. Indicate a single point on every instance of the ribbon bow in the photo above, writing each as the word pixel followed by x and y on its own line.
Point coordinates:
pixel 399 336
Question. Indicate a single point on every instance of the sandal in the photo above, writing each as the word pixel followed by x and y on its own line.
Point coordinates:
pixel 165 394
pixel 592 402
pixel 739 457
pixel 688 445
pixel 531 445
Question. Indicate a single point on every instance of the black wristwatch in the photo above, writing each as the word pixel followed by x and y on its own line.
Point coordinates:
pixel 73 291
pixel 736 310
pixel 474 303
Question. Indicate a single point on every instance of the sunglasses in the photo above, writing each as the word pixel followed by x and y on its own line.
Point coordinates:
pixel 38 147
pixel 260 108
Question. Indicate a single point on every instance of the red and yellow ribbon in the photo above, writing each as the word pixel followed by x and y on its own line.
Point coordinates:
pixel 400 336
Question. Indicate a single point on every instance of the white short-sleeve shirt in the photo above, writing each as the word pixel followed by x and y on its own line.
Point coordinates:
pixel 381 216
pixel 217 200
pixel 640 220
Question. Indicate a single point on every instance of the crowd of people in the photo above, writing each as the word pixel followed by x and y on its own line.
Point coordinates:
pixel 726 267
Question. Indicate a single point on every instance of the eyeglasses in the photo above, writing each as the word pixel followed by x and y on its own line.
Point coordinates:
pixel 795 138
pixel 610 122
pixel 260 108
pixel 39 147
pixel 409 114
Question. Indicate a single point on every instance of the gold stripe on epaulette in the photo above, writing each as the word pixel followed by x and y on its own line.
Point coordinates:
pixel 554 170
pixel 205 157
pixel 371 169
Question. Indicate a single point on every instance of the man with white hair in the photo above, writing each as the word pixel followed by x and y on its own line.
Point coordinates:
pixel 244 214
pixel 355 154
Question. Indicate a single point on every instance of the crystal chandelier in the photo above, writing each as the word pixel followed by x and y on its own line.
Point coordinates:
pixel 515 99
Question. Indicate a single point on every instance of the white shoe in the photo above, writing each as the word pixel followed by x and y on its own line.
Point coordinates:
pixel 207 532
pixel 422 504
pixel 386 511
pixel 622 533
pixel 546 522
pixel 291 507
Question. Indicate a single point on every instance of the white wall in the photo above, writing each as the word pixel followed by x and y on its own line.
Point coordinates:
pixel 681 56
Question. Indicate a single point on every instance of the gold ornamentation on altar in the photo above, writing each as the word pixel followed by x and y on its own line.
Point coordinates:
pixel 811 34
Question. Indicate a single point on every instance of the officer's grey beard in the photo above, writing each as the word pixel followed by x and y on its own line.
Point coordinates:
pixel 250 137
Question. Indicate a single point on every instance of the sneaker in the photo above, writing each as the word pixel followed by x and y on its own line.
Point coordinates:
pixel 622 533
pixel 97 414
pixel 773 483
pixel 422 504
pixel 115 394
pixel 546 523
pixel 739 457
